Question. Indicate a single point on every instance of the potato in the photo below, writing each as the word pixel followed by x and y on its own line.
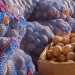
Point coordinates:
pixel 66 49
pixel 52 11
pixel 54 59
pixel 36 34
pixel 65 40
pixel 12 33
pixel 51 27
pixel 57 50
pixel 71 56
pixel 51 48
pixel 63 34
pixel 73 40
pixel 37 42
pixel 30 47
pixel 38 14
pixel 2 30
pixel 60 44
pixel 70 61
pixel 57 31
pixel 30 38
pixel 62 58
pixel 49 54
pixel 6 20
pixel 56 39
pixel 72 35
pixel 44 39
pixel 53 22
pixel 43 6
pixel 66 12
pixel 73 44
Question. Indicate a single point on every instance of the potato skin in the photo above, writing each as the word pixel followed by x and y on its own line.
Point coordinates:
pixel 73 40
pixel 57 50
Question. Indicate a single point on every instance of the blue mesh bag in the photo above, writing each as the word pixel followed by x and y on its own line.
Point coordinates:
pixel 58 26
pixel 14 61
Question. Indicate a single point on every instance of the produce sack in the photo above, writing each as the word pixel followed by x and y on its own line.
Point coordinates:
pixel 11 25
pixel 50 10
pixel 14 61
pixel 22 7
pixel 58 26
pixel 36 38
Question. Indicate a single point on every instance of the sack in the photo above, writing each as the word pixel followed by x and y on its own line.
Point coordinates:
pixel 13 60
pixel 22 7
pixel 36 38
pixel 58 26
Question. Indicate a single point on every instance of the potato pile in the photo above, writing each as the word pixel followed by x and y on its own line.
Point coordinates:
pixel 62 50
pixel 48 10
pixel 57 26
pixel 22 7
pixel 35 39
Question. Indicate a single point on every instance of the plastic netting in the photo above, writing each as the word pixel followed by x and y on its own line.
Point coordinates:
pixel 22 7
pixel 13 60
pixel 11 24
pixel 36 38
pixel 58 27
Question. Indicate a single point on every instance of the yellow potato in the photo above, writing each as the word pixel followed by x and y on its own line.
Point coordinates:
pixel 54 59
pixel 60 44
pixel 73 40
pixel 56 39
pixel 49 54
pixel 62 58
pixel 57 50
pixel 72 35
pixel 73 44
pixel 66 49
pixel 71 56
pixel 6 20
pixel 65 40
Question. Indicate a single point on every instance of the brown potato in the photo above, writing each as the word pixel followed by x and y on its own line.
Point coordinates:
pixel 72 35
pixel 12 33
pixel 62 58
pixel 51 48
pixel 65 40
pixel 6 20
pixel 73 44
pixel 60 44
pixel 57 31
pixel 73 40
pixel 51 27
pixel 37 42
pixel 66 49
pixel 57 50
pixel 56 39
pixel 49 54
pixel 52 11
pixel 71 56
pixel 54 59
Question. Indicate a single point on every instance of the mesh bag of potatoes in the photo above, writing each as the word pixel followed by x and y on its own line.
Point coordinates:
pixel 62 50
pixel 50 10
pixel 58 26
pixel 35 39
pixel 22 7
pixel 14 61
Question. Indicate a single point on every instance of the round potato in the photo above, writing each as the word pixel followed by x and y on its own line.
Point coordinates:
pixel 56 39
pixel 60 44
pixel 73 44
pixel 62 58
pixel 6 20
pixel 49 54
pixel 66 49
pixel 73 40
pixel 37 42
pixel 65 40
pixel 57 31
pixel 54 59
pixel 72 35
pixel 57 50
pixel 71 56
pixel 51 48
